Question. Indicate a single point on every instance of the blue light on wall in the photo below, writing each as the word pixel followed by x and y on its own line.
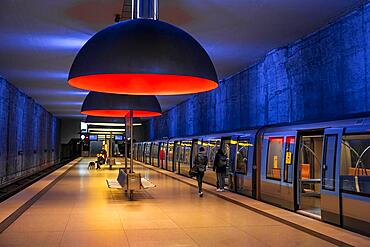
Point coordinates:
pixel 323 76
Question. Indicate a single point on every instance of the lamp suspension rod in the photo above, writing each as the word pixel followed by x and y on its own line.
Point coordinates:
pixel 148 9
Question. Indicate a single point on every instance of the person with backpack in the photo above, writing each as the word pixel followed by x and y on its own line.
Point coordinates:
pixel 219 165
pixel 200 164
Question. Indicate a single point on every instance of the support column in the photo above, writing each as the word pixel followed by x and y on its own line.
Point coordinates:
pixel 131 142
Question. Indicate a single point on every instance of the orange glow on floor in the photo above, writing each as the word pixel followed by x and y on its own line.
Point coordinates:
pixel 143 84
pixel 119 113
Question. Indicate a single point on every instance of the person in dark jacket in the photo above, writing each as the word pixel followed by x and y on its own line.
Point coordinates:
pixel 200 162
pixel 219 165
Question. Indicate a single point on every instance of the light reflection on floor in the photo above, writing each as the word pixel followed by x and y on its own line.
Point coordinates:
pixel 81 211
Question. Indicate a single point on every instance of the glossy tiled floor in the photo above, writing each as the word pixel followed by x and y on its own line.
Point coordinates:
pixel 81 211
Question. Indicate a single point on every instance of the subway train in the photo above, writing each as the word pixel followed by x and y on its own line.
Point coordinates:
pixel 321 170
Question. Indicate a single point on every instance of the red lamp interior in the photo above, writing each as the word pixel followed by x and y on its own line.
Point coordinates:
pixel 143 84
pixel 119 113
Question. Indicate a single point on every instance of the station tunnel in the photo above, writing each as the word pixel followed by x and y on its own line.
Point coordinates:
pixel 184 123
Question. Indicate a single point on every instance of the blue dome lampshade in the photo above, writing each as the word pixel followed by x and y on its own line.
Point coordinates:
pixel 143 57
pixel 118 105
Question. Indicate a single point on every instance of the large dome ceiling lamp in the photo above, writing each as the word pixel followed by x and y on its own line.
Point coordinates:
pixel 143 56
pixel 125 106
pixel 119 105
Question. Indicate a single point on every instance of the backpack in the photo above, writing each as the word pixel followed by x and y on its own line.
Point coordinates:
pixel 222 161
pixel 200 163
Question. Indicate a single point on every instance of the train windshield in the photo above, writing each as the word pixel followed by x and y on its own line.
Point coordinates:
pixel 355 164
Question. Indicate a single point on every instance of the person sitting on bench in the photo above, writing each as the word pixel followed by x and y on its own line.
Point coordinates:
pixel 100 161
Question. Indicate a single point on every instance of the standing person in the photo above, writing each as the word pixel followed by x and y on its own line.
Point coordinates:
pixel 161 157
pixel 219 166
pixel 200 162
pixel 104 154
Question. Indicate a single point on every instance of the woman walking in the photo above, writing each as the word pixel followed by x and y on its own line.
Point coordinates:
pixel 200 162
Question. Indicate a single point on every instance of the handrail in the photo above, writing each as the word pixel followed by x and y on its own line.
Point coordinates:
pixel 356 167
pixel 314 154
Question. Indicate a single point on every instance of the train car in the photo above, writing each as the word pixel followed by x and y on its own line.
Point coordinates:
pixel 321 170
pixel 315 169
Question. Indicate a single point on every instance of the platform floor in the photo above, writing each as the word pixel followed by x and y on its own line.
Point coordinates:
pixel 80 210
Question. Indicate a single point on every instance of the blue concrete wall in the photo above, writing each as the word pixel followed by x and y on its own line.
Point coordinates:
pixel 322 76
pixel 28 135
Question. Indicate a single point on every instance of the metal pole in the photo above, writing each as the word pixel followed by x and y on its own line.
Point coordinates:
pixel 145 9
pixel 131 142
pixel 156 10
pixel 126 134
pixel 110 145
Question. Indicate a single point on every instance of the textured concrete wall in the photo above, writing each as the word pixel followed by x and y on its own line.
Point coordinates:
pixel 69 129
pixel 322 76
pixel 29 135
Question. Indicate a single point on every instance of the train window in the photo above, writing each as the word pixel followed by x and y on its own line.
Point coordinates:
pixel 274 158
pixel 242 157
pixel 211 148
pixel 289 151
pixel 328 168
pixel 355 164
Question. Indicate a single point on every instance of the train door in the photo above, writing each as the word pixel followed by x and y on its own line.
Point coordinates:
pixel 144 152
pixel 154 154
pixel 170 150
pixel 226 148
pixel 176 156
pixel 355 180
pixel 211 146
pixel 162 155
pixel 185 157
pixel 243 165
pixel 308 173
pixel 330 172
pixel 141 148
pixel 276 169
pixel 147 153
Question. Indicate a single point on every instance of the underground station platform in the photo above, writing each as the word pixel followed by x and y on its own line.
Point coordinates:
pixel 185 123
pixel 73 206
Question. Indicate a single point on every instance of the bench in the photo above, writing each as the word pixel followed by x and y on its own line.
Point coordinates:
pixel 121 182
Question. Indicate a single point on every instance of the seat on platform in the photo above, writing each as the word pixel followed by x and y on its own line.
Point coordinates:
pixel 118 183
pixel 121 182
pixel 146 184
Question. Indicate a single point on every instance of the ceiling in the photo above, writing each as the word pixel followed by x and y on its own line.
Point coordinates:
pixel 39 38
